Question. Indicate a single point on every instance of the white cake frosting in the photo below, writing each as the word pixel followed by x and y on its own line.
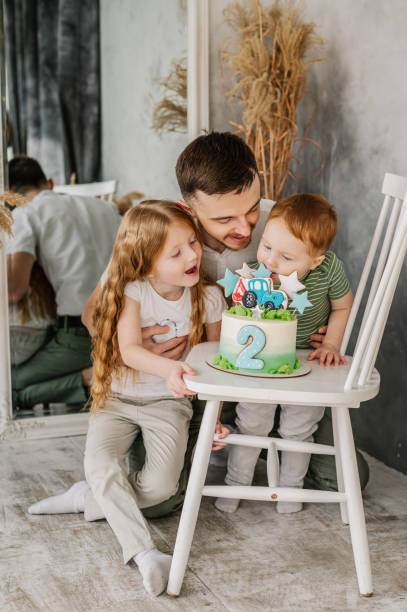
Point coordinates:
pixel 279 337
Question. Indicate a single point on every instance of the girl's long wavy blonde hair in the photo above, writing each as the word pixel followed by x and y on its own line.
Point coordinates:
pixel 140 240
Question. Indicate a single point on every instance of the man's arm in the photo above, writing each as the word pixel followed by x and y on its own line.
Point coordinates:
pixel 19 266
pixel 172 349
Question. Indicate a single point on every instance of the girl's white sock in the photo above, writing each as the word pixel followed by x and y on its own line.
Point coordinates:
pixel 72 500
pixel 154 567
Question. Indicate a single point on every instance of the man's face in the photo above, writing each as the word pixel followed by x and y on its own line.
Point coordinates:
pixel 227 220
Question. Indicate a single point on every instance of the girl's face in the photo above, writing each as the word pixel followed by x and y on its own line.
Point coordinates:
pixel 282 253
pixel 179 261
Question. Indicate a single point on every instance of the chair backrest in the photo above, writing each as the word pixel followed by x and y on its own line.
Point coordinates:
pixel 104 190
pixel 391 230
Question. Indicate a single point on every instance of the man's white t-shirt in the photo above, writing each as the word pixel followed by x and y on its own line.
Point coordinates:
pixel 154 310
pixel 214 264
pixel 72 238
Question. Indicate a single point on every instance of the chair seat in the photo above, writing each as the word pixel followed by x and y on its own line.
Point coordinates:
pixel 323 386
pixel 103 189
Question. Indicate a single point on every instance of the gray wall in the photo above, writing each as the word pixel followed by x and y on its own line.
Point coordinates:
pixel 139 40
pixel 361 123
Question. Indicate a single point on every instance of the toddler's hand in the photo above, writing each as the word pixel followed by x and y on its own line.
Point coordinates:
pixel 327 354
pixel 175 381
pixel 221 432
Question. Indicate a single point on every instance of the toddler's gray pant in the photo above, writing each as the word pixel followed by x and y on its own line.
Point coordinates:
pixel 296 423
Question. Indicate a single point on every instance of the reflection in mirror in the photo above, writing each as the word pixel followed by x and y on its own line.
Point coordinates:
pixel 62 243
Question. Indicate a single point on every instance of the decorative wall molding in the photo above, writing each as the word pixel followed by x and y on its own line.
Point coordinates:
pixel 44 427
pixel 198 67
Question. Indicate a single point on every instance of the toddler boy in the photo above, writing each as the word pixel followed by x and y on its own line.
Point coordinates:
pixel 298 233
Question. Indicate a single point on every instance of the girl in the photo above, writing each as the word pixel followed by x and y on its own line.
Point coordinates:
pixel 153 277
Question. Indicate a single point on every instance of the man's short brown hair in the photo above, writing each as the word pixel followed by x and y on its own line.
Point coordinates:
pixel 24 174
pixel 219 162
pixel 310 218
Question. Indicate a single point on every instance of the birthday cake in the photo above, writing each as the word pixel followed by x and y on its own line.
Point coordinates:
pixel 258 333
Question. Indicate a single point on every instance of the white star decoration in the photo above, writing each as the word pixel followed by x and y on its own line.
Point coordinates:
pixel 246 272
pixel 290 284
pixel 257 312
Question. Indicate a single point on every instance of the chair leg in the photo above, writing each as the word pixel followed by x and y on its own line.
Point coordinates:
pixel 273 466
pixel 193 497
pixel 338 463
pixel 354 500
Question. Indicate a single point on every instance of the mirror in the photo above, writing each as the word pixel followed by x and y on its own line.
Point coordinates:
pixel 139 45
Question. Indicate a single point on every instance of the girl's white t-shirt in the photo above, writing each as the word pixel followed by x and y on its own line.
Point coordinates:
pixel 154 310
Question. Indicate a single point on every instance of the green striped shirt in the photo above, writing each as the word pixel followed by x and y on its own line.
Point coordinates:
pixel 327 282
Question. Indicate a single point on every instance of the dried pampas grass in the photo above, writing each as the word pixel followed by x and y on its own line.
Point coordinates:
pixel 6 218
pixel 170 114
pixel 268 59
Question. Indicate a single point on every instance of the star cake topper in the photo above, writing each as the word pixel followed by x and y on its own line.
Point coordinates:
pixel 246 271
pixel 263 272
pixel 300 301
pixel 228 282
pixel 290 284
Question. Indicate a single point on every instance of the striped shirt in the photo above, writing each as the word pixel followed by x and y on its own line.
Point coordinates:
pixel 327 282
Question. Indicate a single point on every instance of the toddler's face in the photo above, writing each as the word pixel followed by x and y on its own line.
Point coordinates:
pixel 282 253
pixel 178 264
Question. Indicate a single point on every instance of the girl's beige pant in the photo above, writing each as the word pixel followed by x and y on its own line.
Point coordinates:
pixel 118 496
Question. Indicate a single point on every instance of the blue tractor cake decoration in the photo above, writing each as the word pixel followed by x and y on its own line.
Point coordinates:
pixel 258 291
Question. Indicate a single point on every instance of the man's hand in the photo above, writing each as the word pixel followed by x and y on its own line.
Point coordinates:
pixel 318 339
pixel 327 354
pixel 171 349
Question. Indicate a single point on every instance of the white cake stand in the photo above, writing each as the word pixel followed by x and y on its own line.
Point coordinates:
pixel 304 369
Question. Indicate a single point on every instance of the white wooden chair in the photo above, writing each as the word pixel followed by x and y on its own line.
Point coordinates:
pixel 340 388
pixel 103 190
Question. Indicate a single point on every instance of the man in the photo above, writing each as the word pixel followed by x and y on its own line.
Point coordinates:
pixel 219 182
pixel 72 239
pixel 218 178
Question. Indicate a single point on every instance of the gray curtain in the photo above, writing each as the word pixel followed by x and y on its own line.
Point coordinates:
pixel 53 78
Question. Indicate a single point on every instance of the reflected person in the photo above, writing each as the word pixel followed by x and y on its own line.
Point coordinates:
pixel 71 237
pixel 32 318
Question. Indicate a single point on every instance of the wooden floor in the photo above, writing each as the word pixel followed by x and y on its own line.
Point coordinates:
pixel 252 560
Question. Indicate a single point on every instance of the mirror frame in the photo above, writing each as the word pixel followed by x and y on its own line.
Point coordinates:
pixel 198 120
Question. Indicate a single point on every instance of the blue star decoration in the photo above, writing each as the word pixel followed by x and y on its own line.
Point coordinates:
pixel 228 282
pixel 262 271
pixel 300 301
